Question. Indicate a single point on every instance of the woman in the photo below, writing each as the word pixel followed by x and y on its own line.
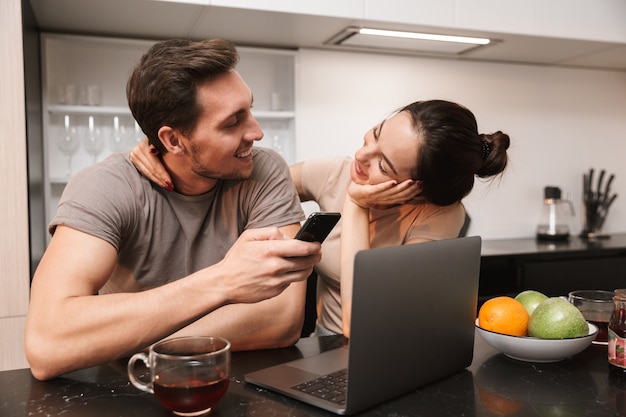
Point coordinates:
pixel 404 185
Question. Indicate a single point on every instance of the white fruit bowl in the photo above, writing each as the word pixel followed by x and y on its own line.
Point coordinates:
pixel 532 349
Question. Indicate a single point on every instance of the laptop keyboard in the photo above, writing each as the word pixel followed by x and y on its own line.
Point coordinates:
pixel 331 387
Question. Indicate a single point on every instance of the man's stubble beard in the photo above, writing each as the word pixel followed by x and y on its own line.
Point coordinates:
pixel 199 169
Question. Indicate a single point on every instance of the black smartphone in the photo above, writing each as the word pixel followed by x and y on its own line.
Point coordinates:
pixel 317 226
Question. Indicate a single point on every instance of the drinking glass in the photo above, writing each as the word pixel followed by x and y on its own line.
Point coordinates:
pixel 90 95
pixel 596 307
pixel 93 139
pixel 68 142
pixel 188 375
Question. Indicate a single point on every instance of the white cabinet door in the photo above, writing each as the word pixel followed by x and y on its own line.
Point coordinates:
pixel 352 9
pixel 578 19
pixel 438 13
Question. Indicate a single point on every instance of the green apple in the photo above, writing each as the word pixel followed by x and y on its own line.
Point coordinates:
pixel 557 318
pixel 530 299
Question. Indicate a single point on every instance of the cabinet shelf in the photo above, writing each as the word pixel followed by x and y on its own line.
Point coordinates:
pixel 124 111
pixel 87 110
pixel 59 180
pixel 114 110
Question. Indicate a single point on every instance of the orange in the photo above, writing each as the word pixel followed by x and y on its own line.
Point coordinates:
pixel 504 315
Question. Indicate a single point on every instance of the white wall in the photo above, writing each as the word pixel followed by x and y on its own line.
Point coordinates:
pixel 561 122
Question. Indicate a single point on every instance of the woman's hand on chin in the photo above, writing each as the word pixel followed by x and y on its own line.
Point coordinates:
pixel 388 193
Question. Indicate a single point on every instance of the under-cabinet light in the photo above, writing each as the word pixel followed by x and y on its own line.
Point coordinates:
pixel 382 39
pixel 424 36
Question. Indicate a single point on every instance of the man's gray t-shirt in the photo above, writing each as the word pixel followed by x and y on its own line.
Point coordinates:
pixel 161 236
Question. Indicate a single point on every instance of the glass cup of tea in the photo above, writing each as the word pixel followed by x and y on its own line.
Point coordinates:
pixel 188 375
pixel 596 307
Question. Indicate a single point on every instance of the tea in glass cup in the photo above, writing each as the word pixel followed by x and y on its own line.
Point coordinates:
pixel 188 375
pixel 596 307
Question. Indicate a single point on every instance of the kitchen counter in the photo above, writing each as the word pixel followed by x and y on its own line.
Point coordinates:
pixel 509 266
pixel 492 385
pixel 612 244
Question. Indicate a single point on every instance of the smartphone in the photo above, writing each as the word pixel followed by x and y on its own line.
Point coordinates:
pixel 317 226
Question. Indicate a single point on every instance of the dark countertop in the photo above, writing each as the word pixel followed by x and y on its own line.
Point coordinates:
pixel 493 385
pixel 574 246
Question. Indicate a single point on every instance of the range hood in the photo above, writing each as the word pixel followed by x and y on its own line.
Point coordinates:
pixel 406 41
pixel 303 28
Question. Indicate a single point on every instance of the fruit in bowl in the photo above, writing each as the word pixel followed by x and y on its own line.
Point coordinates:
pixel 534 349
pixel 530 299
pixel 504 315
pixel 556 318
pixel 554 329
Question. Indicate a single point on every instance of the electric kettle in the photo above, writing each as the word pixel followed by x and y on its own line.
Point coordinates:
pixel 556 216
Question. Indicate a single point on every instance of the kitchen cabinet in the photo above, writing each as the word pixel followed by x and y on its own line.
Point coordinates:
pixel 590 34
pixel 583 20
pixel 510 266
pixel 420 12
pixel 86 116
pixel 14 250
pixel 345 8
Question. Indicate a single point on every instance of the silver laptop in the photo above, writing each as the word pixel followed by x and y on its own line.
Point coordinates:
pixel 413 312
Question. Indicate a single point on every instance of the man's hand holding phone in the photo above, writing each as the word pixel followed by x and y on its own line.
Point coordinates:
pixel 317 226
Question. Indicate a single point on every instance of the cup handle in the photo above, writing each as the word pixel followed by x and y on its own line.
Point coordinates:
pixel 132 376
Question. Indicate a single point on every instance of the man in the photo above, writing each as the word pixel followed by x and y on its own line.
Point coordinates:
pixel 130 264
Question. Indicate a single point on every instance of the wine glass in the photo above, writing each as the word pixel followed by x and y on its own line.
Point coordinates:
pixel 119 135
pixel 93 139
pixel 68 142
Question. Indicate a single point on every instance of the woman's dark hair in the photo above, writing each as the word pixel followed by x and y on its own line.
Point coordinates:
pixel 451 150
pixel 161 91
